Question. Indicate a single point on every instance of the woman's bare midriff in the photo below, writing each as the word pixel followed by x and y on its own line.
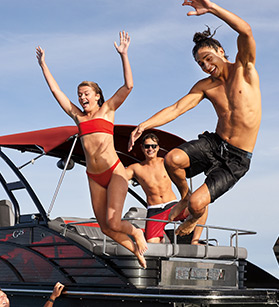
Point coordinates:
pixel 99 152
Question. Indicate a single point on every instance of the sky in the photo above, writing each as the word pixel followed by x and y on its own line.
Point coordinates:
pixel 78 39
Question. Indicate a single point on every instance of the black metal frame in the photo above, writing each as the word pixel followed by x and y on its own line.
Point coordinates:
pixel 21 184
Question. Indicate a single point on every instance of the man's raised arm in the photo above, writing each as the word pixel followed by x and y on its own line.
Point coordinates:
pixel 245 42
pixel 168 114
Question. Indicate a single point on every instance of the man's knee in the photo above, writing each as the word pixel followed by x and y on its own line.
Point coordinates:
pixel 176 158
pixel 154 240
pixel 198 202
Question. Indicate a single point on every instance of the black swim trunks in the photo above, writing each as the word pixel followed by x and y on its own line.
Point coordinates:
pixel 222 163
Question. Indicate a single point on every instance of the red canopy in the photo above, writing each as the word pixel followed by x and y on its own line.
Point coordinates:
pixel 57 142
pixel 46 139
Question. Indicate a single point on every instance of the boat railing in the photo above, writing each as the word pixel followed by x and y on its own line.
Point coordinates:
pixel 236 233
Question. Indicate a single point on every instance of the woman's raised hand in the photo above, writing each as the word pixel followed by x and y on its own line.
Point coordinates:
pixel 40 53
pixel 124 42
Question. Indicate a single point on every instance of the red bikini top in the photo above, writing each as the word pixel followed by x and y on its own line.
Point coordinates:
pixel 95 125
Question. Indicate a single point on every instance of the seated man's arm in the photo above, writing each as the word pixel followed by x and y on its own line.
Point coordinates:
pixel 130 171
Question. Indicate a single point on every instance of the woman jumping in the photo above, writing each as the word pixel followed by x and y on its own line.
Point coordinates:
pixel 106 175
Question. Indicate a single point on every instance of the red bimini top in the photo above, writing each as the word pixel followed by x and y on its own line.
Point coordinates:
pixel 95 125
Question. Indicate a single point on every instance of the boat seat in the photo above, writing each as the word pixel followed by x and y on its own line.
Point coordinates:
pixel 179 251
pixel 154 250
pixel 7 217
pixel 136 212
pixel 90 230
pixel 210 252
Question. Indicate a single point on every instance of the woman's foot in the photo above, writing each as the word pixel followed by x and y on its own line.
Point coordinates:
pixel 140 241
pixel 141 260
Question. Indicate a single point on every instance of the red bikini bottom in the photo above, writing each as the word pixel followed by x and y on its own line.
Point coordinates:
pixel 103 179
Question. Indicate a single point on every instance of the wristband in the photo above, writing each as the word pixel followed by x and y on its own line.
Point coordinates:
pixel 51 300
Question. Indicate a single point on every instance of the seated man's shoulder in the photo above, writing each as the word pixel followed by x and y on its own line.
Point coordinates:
pixel 136 167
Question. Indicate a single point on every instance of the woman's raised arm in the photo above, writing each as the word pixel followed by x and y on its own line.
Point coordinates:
pixel 61 98
pixel 119 97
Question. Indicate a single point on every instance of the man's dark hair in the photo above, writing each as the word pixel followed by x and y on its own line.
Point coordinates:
pixel 205 39
pixel 151 136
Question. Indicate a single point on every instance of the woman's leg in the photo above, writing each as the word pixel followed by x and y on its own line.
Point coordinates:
pixel 116 194
pixel 99 202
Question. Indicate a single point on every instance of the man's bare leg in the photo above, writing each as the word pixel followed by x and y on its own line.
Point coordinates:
pixel 154 240
pixel 180 206
pixel 198 230
pixel 198 202
pixel 187 227
pixel 175 163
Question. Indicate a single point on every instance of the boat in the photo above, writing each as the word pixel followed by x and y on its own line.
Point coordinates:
pixel 37 251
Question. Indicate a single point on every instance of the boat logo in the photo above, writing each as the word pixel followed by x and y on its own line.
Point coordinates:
pixel 18 233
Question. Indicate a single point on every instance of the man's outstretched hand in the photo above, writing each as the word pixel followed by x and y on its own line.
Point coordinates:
pixel 135 134
pixel 201 6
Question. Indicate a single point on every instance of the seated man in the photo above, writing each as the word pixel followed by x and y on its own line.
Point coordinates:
pixel 155 182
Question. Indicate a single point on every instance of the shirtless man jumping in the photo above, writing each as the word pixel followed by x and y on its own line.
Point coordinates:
pixel 155 182
pixel 233 89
